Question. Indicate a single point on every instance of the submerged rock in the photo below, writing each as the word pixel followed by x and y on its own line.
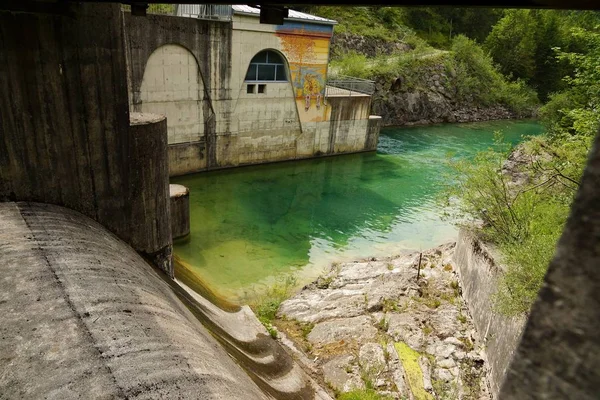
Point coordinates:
pixel 373 324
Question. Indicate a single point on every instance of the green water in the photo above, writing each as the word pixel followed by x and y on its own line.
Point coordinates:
pixel 254 225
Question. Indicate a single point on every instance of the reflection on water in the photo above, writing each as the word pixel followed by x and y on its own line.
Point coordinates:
pixel 253 225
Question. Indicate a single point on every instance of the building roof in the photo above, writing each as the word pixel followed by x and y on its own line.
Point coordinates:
pixel 292 16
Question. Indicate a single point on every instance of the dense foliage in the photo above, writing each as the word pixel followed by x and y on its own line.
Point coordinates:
pixel 474 78
pixel 436 25
pixel 525 218
pixel 378 22
pixel 522 44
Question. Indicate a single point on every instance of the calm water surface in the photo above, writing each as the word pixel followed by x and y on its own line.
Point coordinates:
pixel 252 226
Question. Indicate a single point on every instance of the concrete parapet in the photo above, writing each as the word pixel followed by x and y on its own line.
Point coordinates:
pixel 180 210
pixel 373 129
pixel 479 274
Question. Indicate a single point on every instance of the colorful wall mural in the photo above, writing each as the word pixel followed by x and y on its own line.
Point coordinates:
pixel 306 47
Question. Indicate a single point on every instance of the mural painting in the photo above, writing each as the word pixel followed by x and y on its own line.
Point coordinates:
pixel 306 47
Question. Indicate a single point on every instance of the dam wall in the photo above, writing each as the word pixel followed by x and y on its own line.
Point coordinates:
pixel 198 73
pixel 84 316
pixel 65 128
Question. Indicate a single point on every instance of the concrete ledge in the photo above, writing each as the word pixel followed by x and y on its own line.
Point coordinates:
pixel 479 273
pixel 180 210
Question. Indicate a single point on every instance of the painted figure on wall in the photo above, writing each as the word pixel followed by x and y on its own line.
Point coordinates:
pixel 306 47
pixel 312 88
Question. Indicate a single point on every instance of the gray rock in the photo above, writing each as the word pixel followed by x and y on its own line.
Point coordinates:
pixel 398 374
pixel 426 370
pixel 316 305
pixel 441 350
pixel 445 320
pixel 348 329
pixel 335 372
pixel 454 341
pixel 444 375
pixel 446 363
pixel 405 328
pixel 371 358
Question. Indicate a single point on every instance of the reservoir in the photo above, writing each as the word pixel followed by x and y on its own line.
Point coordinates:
pixel 257 225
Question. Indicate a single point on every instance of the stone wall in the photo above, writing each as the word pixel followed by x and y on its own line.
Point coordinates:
pixel 64 122
pixel 479 273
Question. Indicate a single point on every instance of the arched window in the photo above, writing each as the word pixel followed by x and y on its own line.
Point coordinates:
pixel 267 66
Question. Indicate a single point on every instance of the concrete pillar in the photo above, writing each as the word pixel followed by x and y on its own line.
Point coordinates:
pixel 150 211
pixel 180 210
pixel 373 132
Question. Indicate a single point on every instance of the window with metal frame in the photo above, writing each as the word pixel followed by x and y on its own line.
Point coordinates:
pixel 267 66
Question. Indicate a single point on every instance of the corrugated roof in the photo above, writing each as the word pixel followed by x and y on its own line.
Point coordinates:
pixel 292 15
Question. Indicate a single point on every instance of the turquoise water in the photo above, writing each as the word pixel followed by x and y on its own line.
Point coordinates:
pixel 254 225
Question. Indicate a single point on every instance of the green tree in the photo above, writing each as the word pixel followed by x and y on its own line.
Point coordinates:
pixel 522 44
pixel 512 44
pixel 526 219
pixel 438 25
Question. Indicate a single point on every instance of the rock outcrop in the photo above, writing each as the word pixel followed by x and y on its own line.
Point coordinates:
pixel 370 46
pixel 429 99
pixel 389 326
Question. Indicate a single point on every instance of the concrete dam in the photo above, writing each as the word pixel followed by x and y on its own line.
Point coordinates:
pixel 76 289
pixel 98 108
pixel 238 92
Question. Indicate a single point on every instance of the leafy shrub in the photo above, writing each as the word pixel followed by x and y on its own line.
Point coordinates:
pixel 266 306
pixel 479 81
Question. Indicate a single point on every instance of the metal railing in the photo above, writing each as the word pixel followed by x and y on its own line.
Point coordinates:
pixel 221 12
pixel 347 85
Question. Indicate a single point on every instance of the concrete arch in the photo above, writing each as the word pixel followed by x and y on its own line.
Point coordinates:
pixel 172 85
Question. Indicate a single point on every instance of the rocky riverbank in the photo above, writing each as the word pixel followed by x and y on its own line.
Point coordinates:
pixel 431 97
pixel 388 326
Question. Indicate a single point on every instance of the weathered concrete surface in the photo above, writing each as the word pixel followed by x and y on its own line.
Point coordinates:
pixel 209 44
pixel 479 272
pixel 559 353
pixel 193 71
pixel 180 210
pixel 348 322
pixel 82 315
pixel 242 334
pixel 150 171
pixel 373 129
pixel 64 120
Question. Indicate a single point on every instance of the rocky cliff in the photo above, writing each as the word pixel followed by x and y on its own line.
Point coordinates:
pixel 431 98
pixel 342 43
pixel 425 90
